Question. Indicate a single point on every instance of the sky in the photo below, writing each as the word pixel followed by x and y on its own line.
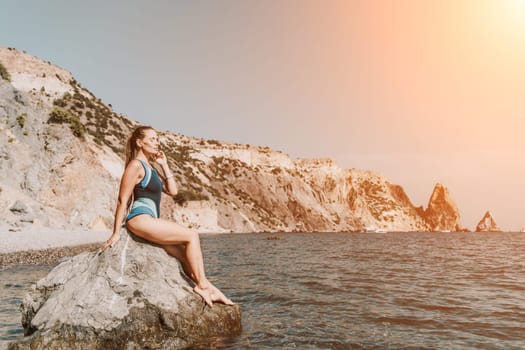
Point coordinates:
pixel 418 91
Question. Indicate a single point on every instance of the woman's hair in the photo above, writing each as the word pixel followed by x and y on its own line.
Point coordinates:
pixel 131 145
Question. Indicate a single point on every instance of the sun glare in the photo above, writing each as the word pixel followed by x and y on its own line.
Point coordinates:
pixel 512 12
pixel 501 25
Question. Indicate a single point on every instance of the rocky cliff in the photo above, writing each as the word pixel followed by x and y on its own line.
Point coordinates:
pixel 487 224
pixel 132 296
pixel 61 158
pixel 442 214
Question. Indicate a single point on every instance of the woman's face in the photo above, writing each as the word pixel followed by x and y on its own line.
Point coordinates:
pixel 150 142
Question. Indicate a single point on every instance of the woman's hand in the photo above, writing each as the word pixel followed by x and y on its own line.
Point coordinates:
pixel 110 242
pixel 160 158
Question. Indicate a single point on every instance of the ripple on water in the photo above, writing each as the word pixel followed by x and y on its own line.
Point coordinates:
pixel 354 291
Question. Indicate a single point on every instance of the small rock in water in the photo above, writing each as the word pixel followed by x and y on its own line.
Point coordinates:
pixel 273 238
pixel 132 296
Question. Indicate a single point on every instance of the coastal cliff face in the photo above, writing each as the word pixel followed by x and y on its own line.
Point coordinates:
pixel 487 224
pixel 61 157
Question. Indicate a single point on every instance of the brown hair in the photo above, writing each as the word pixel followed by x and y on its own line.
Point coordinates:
pixel 131 145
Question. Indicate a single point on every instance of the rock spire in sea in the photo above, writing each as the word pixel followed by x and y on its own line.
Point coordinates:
pixel 442 212
pixel 487 224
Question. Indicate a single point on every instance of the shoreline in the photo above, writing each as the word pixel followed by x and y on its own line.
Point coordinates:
pixel 48 256
pixel 46 246
pixel 40 238
pixel 41 246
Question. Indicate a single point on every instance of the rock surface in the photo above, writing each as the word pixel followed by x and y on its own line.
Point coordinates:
pixel 442 214
pixel 132 296
pixel 487 224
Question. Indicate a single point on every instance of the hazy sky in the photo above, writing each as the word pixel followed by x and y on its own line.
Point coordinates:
pixel 419 91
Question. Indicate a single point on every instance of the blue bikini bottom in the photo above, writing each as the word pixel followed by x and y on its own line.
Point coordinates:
pixel 142 206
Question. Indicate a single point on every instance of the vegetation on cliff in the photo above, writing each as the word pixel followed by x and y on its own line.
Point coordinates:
pixel 4 74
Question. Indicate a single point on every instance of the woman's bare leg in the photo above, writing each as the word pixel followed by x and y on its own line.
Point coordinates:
pixel 165 232
pixel 179 252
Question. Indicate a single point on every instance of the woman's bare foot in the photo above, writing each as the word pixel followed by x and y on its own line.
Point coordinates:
pixel 216 295
pixel 205 294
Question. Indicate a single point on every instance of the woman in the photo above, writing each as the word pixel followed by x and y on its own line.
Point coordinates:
pixel 143 181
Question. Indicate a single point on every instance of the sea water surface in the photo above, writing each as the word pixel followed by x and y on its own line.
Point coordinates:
pixel 353 291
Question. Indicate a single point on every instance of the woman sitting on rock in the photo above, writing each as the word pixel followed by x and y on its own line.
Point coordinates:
pixel 141 180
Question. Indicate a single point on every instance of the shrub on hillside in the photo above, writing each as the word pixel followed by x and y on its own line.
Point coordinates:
pixel 60 102
pixel 4 73
pixel 276 170
pixel 60 116
pixel 78 128
pixel 214 142
pixel 21 119
pixel 184 196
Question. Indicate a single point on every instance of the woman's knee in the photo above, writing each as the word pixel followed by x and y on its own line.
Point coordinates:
pixel 193 236
pixel 183 237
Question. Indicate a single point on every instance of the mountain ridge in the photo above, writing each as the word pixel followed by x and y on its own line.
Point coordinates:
pixel 67 145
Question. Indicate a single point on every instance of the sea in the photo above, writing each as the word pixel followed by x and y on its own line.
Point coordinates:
pixel 351 290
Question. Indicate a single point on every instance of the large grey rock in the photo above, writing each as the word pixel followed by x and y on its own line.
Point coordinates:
pixel 132 296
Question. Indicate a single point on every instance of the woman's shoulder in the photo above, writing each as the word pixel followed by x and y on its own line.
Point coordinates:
pixel 134 166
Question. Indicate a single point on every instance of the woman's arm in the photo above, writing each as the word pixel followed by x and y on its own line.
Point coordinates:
pixel 169 180
pixel 129 179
